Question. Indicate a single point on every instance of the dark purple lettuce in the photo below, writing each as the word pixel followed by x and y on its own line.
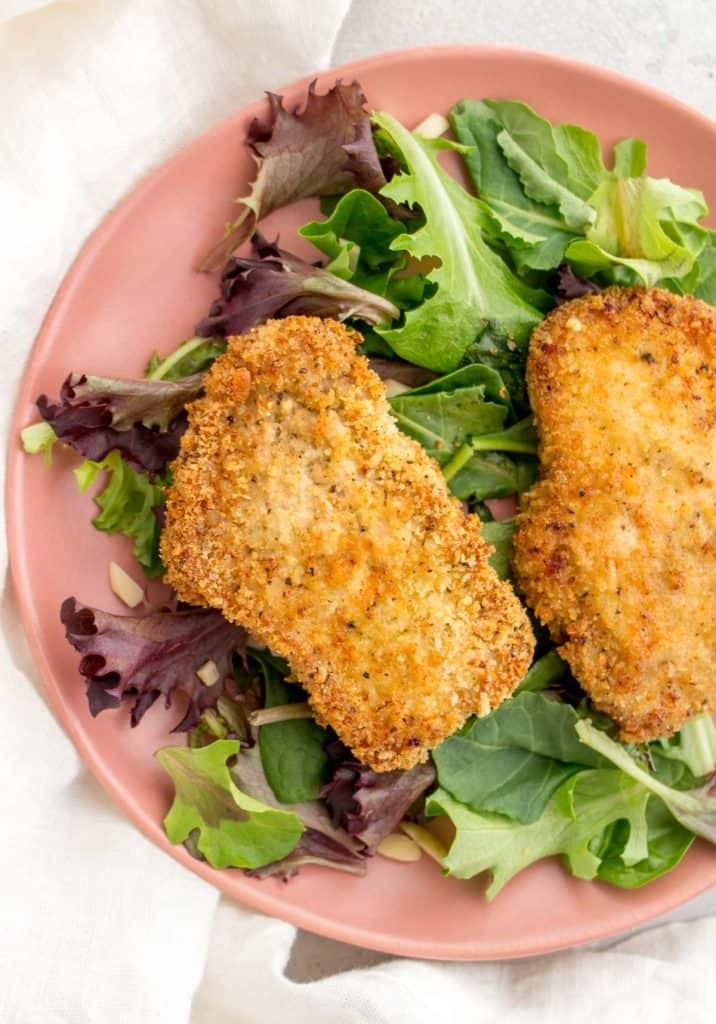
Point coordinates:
pixel 276 284
pixel 572 286
pixel 140 658
pixel 367 804
pixel 325 149
pixel 141 419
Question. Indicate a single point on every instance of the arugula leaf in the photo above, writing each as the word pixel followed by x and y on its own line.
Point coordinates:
pixel 292 753
pixel 453 420
pixel 512 760
pixel 474 285
pixel 127 505
pixel 234 830
pixel 583 806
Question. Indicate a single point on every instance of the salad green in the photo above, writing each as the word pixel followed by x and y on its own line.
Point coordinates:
pixel 431 276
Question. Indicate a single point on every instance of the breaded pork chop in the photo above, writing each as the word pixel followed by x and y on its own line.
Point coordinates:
pixel 616 544
pixel 301 511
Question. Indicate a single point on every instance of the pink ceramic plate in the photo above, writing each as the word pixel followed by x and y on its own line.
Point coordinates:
pixel 131 290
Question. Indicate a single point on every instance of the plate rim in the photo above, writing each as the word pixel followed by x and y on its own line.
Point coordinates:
pixel 252 894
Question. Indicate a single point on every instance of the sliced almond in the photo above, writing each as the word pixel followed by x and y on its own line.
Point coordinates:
pixel 399 847
pixel 208 673
pixel 124 587
pixel 425 839
pixel 432 127
pixel 394 387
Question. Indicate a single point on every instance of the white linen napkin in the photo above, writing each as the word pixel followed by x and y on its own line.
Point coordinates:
pixel 96 924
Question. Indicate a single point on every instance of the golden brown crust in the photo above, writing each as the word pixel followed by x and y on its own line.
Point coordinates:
pixel 301 511
pixel 615 548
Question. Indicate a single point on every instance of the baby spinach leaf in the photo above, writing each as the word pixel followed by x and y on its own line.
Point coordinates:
pixel 234 830
pixel 513 760
pixel 548 669
pixel 500 536
pixel 292 752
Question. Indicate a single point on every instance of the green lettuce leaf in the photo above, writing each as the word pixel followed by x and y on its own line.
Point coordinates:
pixel 232 829
pixel 474 286
pixel 666 840
pixel 694 809
pixel 646 225
pixel 549 196
pixel 706 285
pixel 580 809
pixel 39 437
pixel 512 761
pixel 356 238
pixel 127 505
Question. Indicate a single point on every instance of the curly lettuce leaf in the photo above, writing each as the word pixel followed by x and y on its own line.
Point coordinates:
pixel 139 658
pixel 129 504
pixel 325 149
pixel 231 828
pixel 474 286
pixel 276 284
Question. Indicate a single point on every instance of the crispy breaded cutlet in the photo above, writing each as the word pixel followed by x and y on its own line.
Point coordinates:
pixel 615 548
pixel 301 511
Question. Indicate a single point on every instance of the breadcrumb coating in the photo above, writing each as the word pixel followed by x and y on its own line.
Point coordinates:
pixel 300 510
pixel 615 547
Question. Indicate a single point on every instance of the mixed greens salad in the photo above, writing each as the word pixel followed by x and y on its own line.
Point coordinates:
pixel 444 284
